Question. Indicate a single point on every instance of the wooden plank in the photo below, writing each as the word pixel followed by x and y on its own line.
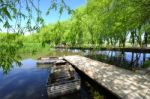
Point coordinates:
pixel 124 83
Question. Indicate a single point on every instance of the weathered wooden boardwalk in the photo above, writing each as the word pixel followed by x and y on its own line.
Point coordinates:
pixel 124 83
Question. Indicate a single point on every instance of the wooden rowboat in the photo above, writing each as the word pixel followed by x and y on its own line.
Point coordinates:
pixel 50 60
pixel 63 80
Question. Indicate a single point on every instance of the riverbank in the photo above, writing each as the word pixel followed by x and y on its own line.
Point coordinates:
pixel 125 49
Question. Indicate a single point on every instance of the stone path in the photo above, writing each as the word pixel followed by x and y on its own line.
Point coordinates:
pixel 124 83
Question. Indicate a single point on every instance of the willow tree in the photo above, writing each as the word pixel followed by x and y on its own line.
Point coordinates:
pixel 76 35
pixel 120 18
pixel 139 20
pixel 17 12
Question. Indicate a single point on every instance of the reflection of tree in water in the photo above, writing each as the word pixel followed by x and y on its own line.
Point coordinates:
pixel 120 59
pixel 135 61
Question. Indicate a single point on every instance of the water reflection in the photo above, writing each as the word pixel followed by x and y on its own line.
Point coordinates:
pixel 129 60
pixel 26 82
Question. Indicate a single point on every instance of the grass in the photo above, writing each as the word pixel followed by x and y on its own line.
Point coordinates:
pixel 34 50
pixel 30 47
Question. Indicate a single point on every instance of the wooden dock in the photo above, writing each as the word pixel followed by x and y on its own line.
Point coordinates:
pixel 123 83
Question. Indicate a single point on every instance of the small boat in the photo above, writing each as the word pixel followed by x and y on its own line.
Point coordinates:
pixel 62 80
pixel 50 60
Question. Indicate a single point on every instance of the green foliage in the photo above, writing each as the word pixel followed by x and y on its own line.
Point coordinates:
pixel 146 64
pixel 30 48
pixel 102 23
pixel 14 47
pixel 34 50
pixel 17 11
pixel 8 51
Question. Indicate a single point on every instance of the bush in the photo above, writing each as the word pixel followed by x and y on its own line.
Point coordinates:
pixel 146 64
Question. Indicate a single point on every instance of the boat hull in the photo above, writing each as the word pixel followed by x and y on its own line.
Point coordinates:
pixel 63 80
pixel 63 89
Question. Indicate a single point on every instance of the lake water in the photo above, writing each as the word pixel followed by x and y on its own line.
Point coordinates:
pixel 29 80
pixel 127 60
pixel 25 82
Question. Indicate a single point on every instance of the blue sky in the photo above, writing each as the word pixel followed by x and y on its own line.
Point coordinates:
pixel 54 15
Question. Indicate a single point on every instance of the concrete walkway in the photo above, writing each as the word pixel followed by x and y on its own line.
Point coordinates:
pixel 124 83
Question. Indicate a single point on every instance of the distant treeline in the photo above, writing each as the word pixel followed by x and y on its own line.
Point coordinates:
pixel 101 23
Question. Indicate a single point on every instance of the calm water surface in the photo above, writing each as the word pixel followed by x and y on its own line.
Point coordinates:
pixel 128 60
pixel 29 80
pixel 25 82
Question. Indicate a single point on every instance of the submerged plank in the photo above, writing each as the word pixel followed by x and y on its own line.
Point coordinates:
pixel 124 83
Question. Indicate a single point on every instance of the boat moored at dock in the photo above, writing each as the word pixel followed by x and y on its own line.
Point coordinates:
pixel 50 60
pixel 62 80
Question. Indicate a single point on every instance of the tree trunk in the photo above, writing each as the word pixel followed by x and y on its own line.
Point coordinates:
pixel 133 38
pixel 145 39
